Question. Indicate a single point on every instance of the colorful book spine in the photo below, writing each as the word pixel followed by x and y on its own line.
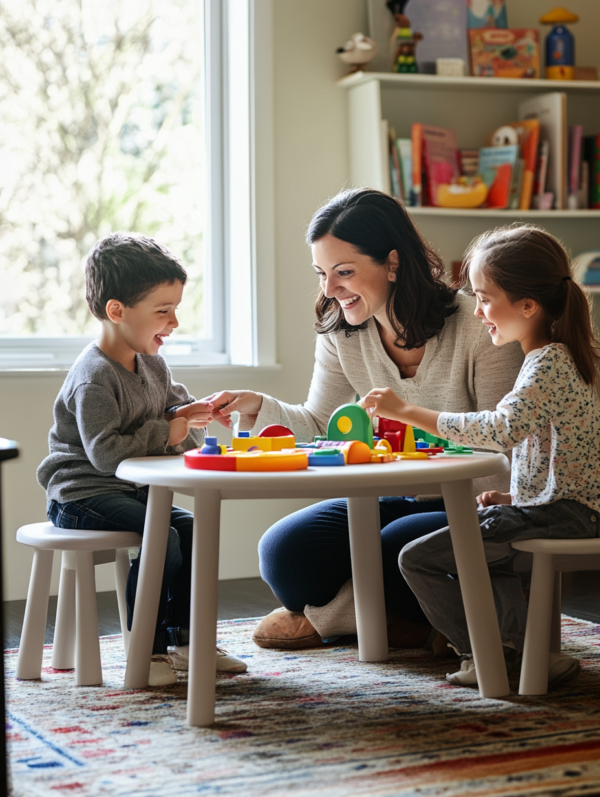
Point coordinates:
pixel 592 156
pixel 542 168
pixel 575 137
pixel 416 137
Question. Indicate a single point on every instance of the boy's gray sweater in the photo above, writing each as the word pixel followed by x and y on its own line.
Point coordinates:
pixel 104 414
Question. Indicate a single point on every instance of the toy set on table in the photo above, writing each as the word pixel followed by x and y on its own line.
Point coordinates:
pixel 349 441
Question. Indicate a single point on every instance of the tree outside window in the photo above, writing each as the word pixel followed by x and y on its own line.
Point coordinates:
pixel 101 129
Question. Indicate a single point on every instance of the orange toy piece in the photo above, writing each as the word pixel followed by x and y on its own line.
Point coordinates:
pixel 242 461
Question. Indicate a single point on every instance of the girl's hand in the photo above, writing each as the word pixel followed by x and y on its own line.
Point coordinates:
pixel 198 414
pixel 178 431
pixel 246 402
pixel 494 498
pixel 385 403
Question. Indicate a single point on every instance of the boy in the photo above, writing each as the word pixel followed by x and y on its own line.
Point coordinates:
pixel 119 401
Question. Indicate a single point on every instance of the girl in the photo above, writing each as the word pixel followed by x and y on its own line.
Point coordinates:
pixel 522 280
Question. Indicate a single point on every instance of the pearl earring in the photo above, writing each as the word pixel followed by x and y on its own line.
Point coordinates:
pixel 393 276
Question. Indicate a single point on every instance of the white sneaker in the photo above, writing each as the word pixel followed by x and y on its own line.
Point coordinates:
pixel 466 676
pixel 161 673
pixel 224 661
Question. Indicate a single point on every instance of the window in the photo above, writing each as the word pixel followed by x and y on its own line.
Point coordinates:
pixel 102 123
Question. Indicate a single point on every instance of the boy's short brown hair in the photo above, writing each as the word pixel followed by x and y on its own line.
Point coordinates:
pixel 127 266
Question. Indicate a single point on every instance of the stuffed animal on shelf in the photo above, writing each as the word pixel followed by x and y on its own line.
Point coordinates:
pixel 357 52
pixel 404 40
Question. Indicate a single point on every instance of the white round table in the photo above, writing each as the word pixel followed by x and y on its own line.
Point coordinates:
pixel 362 485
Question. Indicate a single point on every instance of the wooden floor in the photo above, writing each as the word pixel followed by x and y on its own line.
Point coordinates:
pixel 251 597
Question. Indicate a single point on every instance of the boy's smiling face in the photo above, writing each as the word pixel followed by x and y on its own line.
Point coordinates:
pixel 143 327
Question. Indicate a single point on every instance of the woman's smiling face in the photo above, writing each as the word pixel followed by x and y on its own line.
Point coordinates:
pixel 361 286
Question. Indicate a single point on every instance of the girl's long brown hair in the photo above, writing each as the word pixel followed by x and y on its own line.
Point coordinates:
pixel 526 262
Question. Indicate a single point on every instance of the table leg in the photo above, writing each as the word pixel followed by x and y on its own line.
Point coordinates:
pixel 152 565
pixel 367 578
pixel 476 588
pixel 203 620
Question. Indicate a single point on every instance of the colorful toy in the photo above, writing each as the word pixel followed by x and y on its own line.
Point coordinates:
pixel 349 441
pixel 350 422
pixel 560 44
pixel 404 40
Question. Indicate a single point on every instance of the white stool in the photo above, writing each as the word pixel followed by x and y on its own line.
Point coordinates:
pixel 542 635
pixel 76 640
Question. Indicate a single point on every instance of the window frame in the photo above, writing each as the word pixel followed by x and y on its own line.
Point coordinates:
pixel 239 314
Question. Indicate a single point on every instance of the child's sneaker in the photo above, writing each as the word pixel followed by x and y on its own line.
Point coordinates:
pixel 225 662
pixel 466 676
pixel 161 672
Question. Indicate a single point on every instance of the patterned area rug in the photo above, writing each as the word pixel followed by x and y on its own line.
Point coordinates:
pixel 306 723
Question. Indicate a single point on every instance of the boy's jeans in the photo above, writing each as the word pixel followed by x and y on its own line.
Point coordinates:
pixel 429 567
pixel 126 511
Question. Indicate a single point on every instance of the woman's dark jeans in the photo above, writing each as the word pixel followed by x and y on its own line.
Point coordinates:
pixel 126 511
pixel 305 558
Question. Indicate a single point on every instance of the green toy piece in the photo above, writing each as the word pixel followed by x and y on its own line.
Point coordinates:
pixel 350 422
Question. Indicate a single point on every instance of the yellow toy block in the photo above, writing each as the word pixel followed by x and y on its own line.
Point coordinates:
pixel 263 443
pixel 383 445
pixel 272 461
pixel 409 441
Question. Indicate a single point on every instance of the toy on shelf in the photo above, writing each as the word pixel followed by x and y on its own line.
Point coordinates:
pixel 349 441
pixel 404 40
pixel 357 52
pixel 560 44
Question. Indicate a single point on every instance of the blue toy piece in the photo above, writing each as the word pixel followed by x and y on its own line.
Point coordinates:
pixel 210 446
pixel 326 457
pixel 243 434
pixel 350 422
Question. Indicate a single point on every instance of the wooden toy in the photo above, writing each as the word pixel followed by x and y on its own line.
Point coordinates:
pixel 404 40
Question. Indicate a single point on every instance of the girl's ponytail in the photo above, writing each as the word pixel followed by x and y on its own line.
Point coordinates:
pixel 574 328
pixel 526 262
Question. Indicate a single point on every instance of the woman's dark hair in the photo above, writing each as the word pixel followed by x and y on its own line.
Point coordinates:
pixel 377 224
pixel 526 262
pixel 127 266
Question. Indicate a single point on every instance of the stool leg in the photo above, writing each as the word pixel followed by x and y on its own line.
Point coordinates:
pixel 63 649
pixel 88 667
pixel 534 669
pixel 555 636
pixel 121 573
pixel 31 646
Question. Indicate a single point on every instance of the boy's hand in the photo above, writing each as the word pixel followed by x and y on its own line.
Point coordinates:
pixel 178 431
pixel 246 402
pixel 494 498
pixel 198 414
pixel 383 402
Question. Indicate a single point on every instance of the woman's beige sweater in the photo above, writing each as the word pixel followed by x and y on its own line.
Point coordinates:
pixel 461 371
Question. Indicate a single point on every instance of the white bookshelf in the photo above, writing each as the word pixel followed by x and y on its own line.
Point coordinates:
pixel 474 108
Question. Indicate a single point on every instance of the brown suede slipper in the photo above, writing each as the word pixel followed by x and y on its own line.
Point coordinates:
pixel 285 630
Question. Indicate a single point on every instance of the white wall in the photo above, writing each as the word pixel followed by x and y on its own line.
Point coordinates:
pixel 310 166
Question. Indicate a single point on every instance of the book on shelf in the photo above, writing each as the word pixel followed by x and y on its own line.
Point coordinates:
pixel 440 159
pixel 395 176
pixel 551 112
pixel 416 138
pixel 574 166
pixel 591 155
pixel 528 132
pixel 403 151
pixel 496 166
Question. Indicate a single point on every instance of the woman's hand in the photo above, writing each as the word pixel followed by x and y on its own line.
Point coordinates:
pixel 246 402
pixel 494 498
pixel 198 414
pixel 384 402
pixel 178 431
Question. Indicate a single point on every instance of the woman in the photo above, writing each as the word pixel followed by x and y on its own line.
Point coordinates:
pixel 384 317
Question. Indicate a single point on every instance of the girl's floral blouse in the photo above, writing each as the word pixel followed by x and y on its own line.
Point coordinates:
pixel 551 420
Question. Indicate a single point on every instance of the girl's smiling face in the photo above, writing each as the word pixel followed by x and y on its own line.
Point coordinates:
pixel 507 321
pixel 360 285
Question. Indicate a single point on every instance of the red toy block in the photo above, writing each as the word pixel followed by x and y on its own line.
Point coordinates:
pixel 275 430
pixel 385 425
pixel 198 461
pixel 395 439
